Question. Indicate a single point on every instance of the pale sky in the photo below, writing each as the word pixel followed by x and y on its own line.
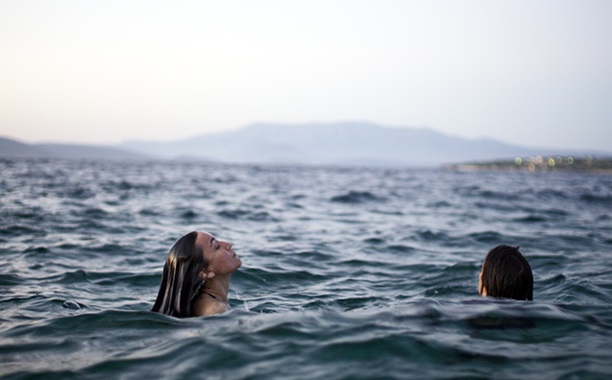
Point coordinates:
pixel 535 73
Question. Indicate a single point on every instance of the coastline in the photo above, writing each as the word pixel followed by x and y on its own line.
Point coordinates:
pixel 539 164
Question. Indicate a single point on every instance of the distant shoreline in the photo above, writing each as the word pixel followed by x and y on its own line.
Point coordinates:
pixel 540 164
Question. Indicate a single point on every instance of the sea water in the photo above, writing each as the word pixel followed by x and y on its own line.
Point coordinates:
pixel 348 273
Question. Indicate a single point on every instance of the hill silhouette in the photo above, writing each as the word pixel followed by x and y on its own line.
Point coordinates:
pixel 342 143
pixel 349 143
pixel 13 148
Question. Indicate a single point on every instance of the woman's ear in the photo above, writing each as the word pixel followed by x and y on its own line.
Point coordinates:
pixel 206 274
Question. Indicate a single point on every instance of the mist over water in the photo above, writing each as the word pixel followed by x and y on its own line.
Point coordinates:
pixel 347 272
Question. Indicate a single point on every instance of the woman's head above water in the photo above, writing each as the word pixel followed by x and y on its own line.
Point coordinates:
pixel 506 273
pixel 196 276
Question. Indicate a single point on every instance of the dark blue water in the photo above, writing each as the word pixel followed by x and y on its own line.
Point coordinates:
pixel 347 272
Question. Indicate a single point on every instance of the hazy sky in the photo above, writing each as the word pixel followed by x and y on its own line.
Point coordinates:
pixel 536 73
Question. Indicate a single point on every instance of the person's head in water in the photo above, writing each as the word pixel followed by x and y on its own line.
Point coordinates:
pixel 196 276
pixel 506 273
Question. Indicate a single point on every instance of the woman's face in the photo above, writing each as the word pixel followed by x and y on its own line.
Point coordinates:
pixel 481 289
pixel 221 258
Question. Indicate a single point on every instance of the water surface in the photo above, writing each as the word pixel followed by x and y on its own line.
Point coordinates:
pixel 347 272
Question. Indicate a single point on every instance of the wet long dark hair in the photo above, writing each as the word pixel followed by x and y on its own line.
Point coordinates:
pixel 507 274
pixel 181 281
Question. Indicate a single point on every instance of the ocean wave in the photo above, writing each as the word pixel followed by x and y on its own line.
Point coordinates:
pixel 356 197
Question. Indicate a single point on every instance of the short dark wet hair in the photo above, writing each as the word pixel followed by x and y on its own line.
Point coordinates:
pixel 506 274
pixel 181 281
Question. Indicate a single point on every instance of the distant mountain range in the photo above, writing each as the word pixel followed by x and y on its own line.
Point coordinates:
pixel 12 148
pixel 345 143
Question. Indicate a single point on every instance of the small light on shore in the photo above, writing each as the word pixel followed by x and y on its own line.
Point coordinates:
pixel 551 162
pixel 570 160
pixel 518 161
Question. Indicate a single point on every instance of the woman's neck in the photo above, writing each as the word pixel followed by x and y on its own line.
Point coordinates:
pixel 218 288
pixel 213 298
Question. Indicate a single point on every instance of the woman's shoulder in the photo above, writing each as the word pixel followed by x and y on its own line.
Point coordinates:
pixel 206 304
